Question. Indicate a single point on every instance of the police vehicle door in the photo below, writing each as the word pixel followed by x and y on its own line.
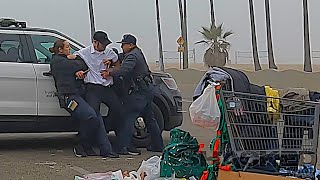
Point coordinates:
pixel 48 103
pixel 17 78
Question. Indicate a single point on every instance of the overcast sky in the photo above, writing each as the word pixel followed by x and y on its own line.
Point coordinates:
pixel 138 17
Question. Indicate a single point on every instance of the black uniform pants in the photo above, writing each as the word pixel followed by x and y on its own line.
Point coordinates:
pixel 136 104
pixel 92 128
pixel 97 94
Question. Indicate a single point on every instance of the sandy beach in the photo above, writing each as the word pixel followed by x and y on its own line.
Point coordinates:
pixel 288 75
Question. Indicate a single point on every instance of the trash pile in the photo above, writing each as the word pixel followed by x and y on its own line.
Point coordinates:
pixel 181 159
pixel 261 133
pixel 261 130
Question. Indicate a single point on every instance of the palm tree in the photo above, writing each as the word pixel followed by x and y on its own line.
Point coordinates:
pixel 159 36
pixel 256 60
pixel 181 15
pixel 186 47
pixel 213 19
pixel 91 13
pixel 218 51
pixel 272 64
pixel 183 26
pixel 307 49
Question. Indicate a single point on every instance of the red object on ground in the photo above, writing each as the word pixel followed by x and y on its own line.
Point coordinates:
pixel 225 168
pixel 201 146
pixel 205 175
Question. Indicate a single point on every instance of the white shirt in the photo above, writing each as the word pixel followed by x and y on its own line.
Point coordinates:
pixel 94 61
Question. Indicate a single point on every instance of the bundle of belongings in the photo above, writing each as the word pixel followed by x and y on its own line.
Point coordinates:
pixel 233 79
pixel 259 114
pixel 181 158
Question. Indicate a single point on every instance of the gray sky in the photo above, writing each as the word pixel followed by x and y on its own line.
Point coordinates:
pixel 138 17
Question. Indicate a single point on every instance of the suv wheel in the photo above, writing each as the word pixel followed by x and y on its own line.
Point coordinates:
pixel 141 137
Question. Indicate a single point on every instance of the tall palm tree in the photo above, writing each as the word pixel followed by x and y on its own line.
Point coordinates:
pixel 307 49
pixel 183 24
pixel 272 64
pixel 181 15
pixel 159 36
pixel 186 47
pixel 91 13
pixel 256 60
pixel 213 19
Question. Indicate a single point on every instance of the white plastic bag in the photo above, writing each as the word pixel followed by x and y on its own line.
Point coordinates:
pixel 133 176
pixel 205 111
pixel 99 176
pixel 117 175
pixel 151 167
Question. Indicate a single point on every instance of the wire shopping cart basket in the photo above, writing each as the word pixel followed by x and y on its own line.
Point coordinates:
pixel 278 131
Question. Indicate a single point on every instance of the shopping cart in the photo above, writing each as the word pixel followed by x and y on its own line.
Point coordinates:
pixel 261 139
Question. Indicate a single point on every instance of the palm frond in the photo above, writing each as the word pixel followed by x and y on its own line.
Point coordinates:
pixel 227 34
pixel 215 36
pixel 202 42
pixel 224 42
pixel 205 29
pixel 207 34
pixel 219 30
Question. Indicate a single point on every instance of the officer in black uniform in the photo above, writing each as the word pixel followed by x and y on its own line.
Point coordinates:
pixel 139 87
pixel 68 75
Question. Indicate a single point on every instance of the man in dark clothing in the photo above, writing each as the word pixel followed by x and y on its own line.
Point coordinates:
pixel 138 82
pixel 68 76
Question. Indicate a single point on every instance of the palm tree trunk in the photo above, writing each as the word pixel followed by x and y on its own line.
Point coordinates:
pixel 185 34
pixel 181 15
pixel 257 65
pixel 272 64
pixel 183 25
pixel 159 36
pixel 213 19
pixel 91 13
pixel 307 49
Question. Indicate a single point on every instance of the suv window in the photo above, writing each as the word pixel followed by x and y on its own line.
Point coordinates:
pixel 41 44
pixel 10 48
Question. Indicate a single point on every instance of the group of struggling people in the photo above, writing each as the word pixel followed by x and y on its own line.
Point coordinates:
pixel 96 74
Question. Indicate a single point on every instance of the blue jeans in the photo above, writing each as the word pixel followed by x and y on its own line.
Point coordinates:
pixel 136 104
pixel 91 125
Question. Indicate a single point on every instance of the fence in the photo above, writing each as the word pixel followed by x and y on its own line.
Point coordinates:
pixel 246 57
pixel 176 57
pixel 316 54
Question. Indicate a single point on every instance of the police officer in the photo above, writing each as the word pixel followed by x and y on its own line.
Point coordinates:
pixel 68 76
pixel 135 72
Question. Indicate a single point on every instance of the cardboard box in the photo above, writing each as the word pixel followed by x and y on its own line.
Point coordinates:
pixel 230 175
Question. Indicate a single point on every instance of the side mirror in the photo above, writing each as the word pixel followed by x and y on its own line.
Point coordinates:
pixel 42 60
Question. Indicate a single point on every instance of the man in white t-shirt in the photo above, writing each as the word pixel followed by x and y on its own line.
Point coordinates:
pixel 99 90
pixel 95 55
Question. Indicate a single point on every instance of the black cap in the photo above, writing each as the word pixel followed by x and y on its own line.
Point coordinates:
pixel 102 37
pixel 128 39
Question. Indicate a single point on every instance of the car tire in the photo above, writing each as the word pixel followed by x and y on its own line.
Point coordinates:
pixel 144 141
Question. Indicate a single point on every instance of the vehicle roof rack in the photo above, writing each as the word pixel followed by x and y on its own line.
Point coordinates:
pixel 5 22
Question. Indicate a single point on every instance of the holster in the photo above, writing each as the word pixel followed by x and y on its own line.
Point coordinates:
pixel 62 100
pixel 140 83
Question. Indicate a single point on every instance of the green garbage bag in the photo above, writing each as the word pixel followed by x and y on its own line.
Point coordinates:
pixel 181 156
